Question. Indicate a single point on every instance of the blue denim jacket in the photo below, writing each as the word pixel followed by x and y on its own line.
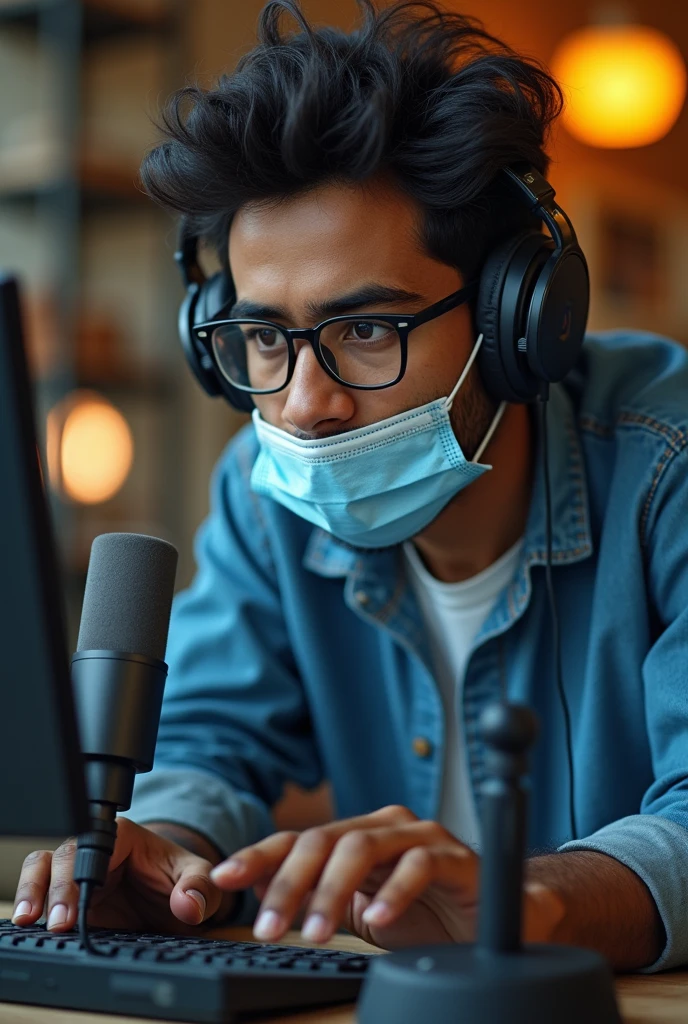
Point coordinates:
pixel 295 658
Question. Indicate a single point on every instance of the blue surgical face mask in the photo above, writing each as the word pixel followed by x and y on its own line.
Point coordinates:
pixel 375 486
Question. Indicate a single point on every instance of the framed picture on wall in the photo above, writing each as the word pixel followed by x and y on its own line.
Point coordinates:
pixel 632 259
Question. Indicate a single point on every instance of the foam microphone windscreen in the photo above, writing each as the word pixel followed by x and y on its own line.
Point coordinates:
pixel 128 596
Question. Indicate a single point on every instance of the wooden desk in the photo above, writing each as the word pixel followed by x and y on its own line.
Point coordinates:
pixel 654 999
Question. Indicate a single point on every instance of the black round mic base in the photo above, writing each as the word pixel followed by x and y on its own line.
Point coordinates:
pixel 463 984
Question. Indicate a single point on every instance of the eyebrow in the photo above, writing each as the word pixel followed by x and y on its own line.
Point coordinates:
pixel 366 296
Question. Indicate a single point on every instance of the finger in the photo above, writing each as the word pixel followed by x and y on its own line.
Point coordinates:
pixel 296 877
pixel 247 865
pixel 32 887
pixel 63 894
pixel 261 885
pixel 354 858
pixel 453 867
pixel 177 877
pixel 352 854
pixel 251 864
pixel 195 898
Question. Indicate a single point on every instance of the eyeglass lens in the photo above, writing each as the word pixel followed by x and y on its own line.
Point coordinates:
pixel 256 356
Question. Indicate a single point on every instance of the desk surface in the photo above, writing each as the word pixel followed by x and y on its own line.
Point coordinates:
pixel 644 999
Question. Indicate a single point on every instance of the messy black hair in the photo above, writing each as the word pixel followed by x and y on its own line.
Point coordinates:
pixel 421 95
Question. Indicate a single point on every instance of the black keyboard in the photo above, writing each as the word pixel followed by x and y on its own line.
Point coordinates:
pixel 171 977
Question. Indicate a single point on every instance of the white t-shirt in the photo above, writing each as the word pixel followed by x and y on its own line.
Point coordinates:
pixel 453 614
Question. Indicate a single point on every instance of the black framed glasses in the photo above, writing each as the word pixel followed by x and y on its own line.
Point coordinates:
pixel 367 351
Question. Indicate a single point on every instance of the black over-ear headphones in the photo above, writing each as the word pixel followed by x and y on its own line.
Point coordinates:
pixel 205 298
pixel 532 304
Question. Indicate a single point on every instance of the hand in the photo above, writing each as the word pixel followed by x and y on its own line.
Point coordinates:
pixel 152 884
pixel 388 877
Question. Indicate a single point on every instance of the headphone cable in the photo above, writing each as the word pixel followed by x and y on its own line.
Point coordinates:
pixel 556 638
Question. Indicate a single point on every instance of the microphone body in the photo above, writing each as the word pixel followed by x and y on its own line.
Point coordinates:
pixel 119 696
pixel 118 679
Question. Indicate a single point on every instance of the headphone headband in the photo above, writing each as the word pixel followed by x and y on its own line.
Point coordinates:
pixel 539 195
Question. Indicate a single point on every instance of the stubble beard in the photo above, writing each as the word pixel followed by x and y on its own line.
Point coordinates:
pixel 471 414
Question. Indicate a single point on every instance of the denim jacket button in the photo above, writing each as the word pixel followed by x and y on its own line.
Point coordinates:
pixel 362 598
pixel 422 746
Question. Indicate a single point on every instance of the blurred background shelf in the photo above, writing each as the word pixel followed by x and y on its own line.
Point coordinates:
pixel 81 82
pixel 103 20
pixel 100 183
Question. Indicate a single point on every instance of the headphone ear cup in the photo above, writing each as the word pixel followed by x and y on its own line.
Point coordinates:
pixel 198 361
pixel 215 293
pixel 506 283
pixel 202 303
pixel 558 315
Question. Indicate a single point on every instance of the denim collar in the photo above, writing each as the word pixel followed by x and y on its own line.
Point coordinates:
pixel 377 574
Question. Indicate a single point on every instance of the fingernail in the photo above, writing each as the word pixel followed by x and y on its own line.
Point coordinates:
pixel 269 925
pixel 228 870
pixel 58 915
pixel 316 928
pixel 23 910
pixel 199 900
pixel 377 913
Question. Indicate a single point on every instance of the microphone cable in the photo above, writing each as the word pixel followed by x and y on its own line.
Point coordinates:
pixel 94 850
pixel 556 637
pixel 85 891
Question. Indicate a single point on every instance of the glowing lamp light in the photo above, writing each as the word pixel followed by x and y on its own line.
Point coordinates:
pixel 90 449
pixel 625 84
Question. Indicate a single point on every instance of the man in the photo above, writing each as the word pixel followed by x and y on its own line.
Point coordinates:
pixel 361 175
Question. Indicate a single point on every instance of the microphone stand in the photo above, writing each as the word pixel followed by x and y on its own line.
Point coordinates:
pixel 497 979
pixel 118 697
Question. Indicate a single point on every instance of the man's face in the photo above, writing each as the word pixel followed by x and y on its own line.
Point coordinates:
pixel 291 257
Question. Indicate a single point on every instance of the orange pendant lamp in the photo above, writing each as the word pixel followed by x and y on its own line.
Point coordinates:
pixel 89 448
pixel 625 84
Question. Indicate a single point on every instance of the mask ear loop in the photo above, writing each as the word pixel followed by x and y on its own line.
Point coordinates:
pixel 488 436
pixel 449 401
pixel 471 359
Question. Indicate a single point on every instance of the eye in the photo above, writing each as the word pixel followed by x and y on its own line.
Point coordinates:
pixel 366 330
pixel 265 338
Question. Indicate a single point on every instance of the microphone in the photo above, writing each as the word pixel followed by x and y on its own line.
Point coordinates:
pixel 118 678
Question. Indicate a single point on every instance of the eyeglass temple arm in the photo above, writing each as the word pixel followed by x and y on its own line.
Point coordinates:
pixel 444 305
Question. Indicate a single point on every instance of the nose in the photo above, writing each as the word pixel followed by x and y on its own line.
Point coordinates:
pixel 315 403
